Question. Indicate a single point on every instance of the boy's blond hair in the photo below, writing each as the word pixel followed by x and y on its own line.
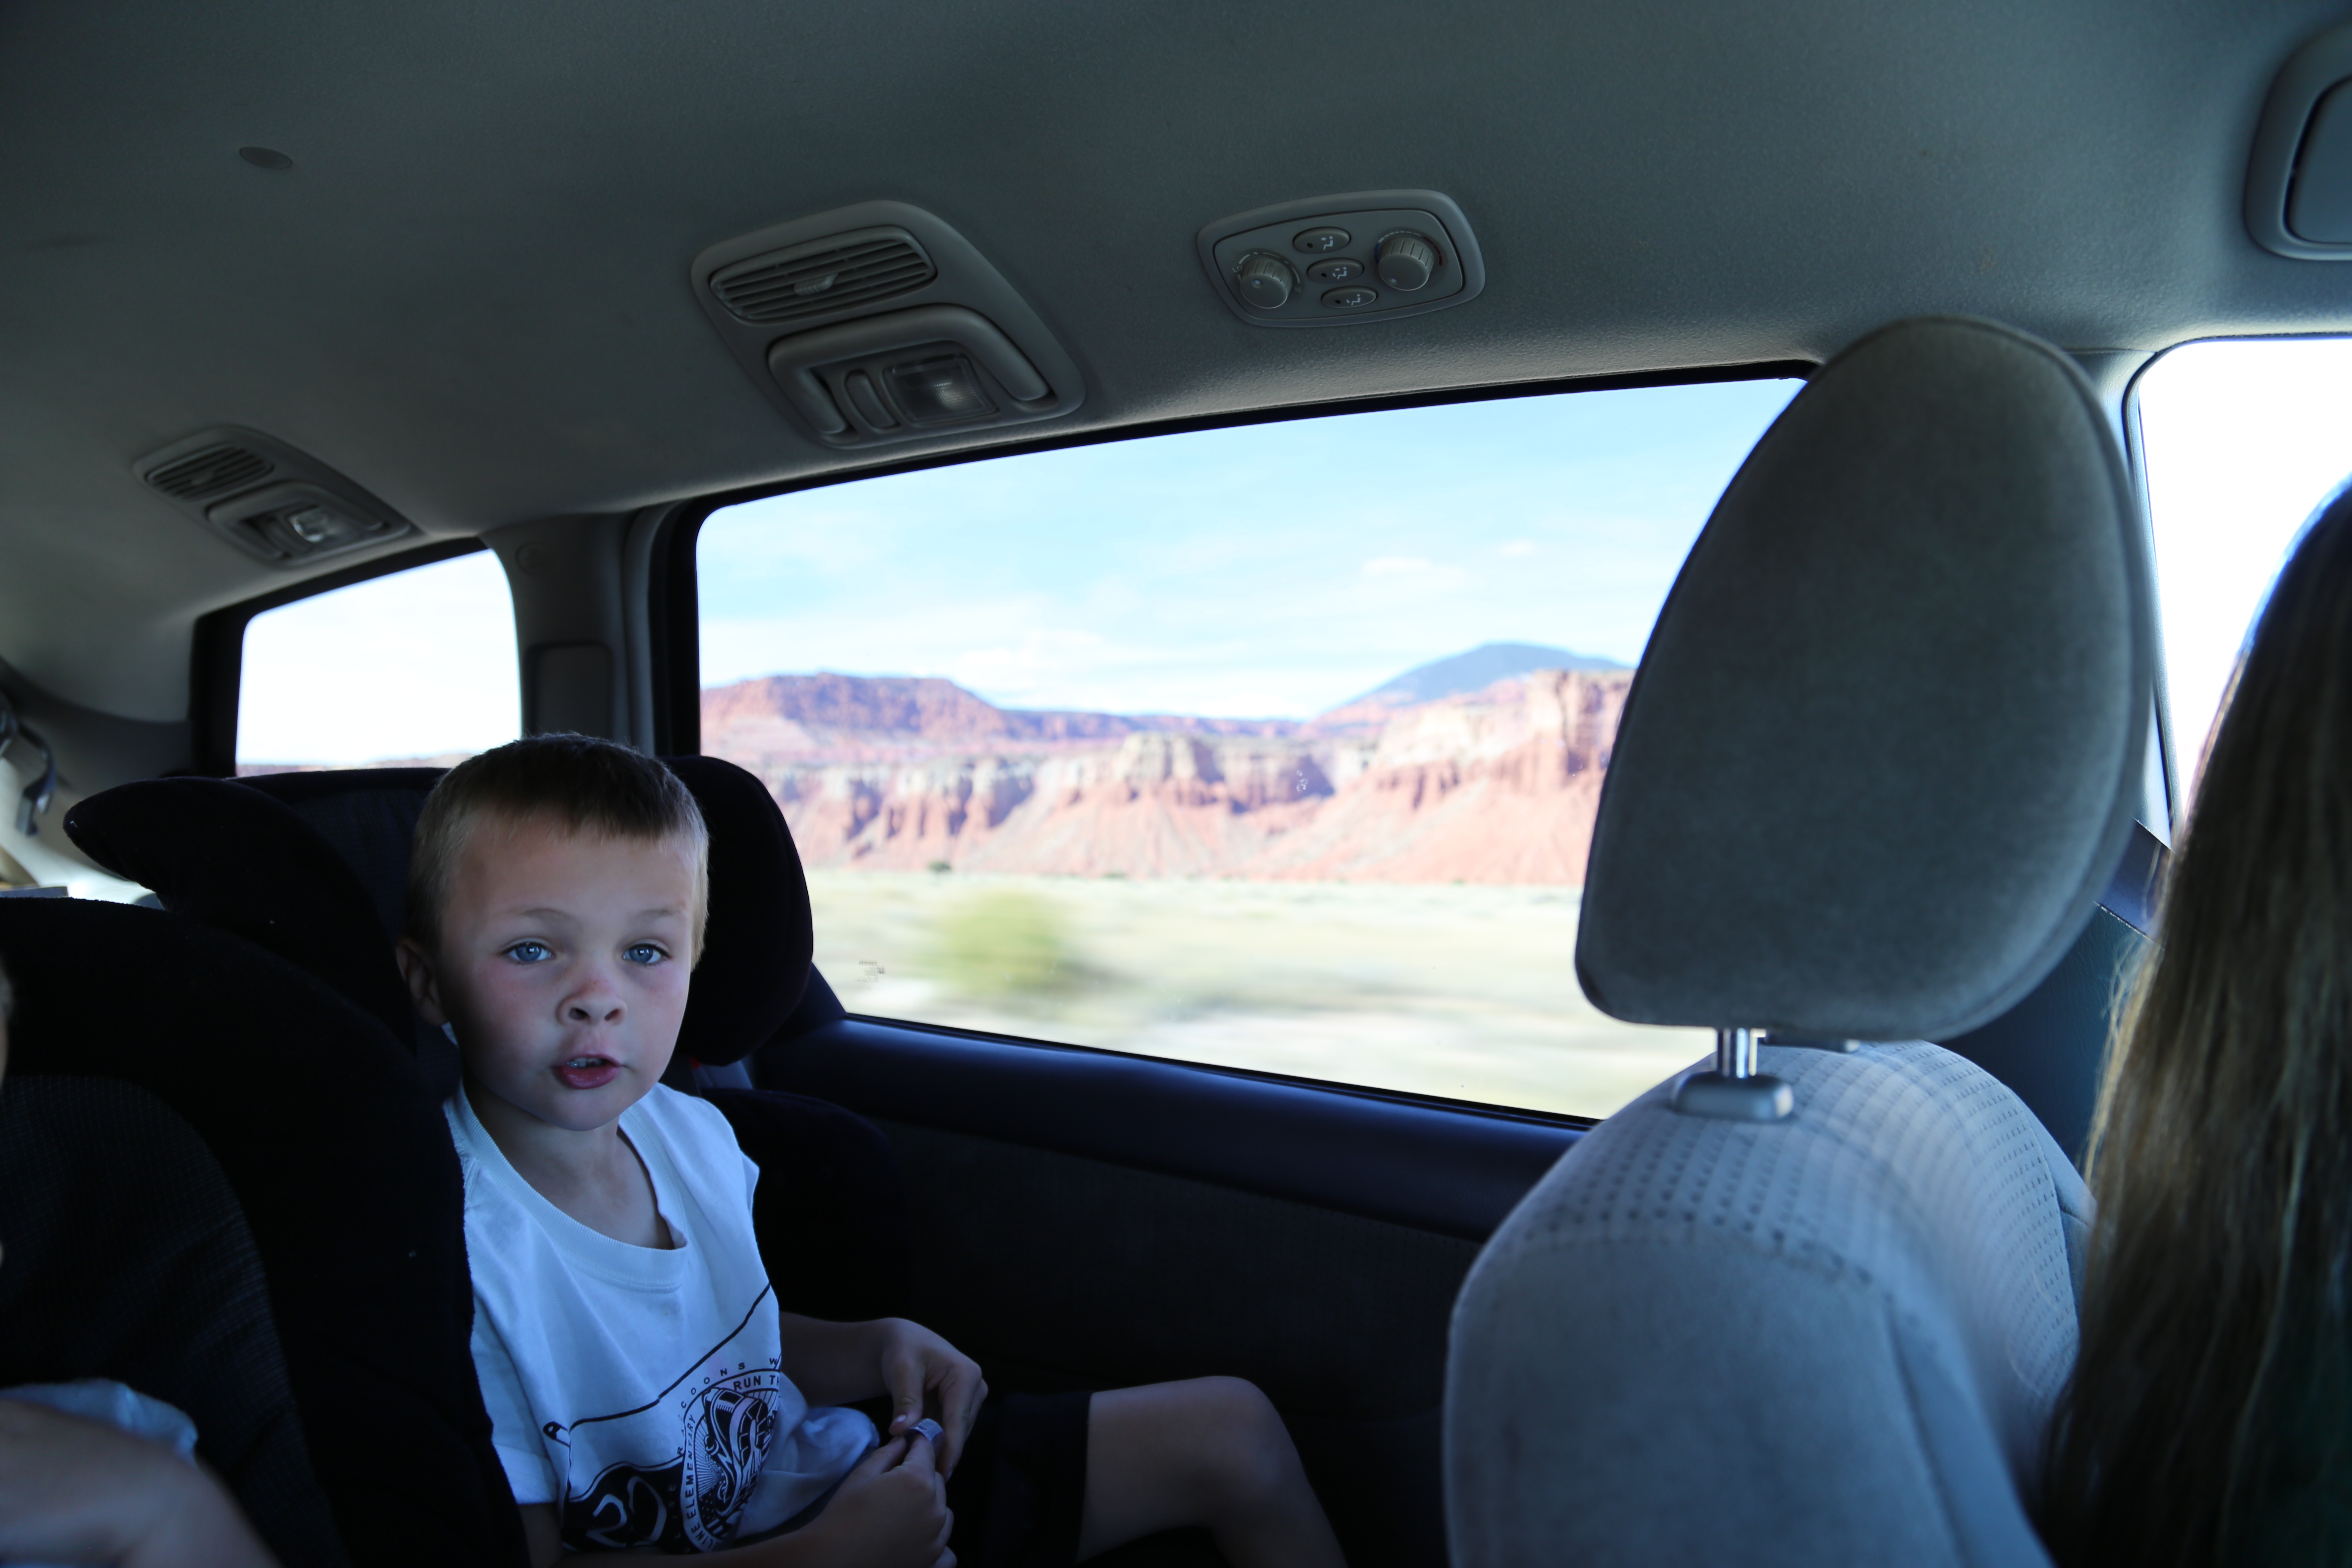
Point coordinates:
pixel 583 785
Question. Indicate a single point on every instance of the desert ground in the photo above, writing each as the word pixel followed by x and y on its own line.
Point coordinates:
pixel 1467 992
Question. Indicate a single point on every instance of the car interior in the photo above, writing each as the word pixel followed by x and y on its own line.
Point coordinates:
pixel 303 302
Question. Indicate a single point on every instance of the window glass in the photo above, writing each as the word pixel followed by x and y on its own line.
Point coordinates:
pixel 1274 747
pixel 2241 441
pixel 418 666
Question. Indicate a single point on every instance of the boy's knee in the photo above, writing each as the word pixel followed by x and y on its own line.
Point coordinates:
pixel 1248 1455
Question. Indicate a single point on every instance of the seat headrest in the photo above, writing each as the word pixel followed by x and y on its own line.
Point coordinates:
pixel 369 814
pixel 756 953
pixel 244 863
pixel 315 867
pixel 1887 738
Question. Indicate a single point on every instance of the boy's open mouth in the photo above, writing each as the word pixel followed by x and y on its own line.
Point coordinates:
pixel 587 1072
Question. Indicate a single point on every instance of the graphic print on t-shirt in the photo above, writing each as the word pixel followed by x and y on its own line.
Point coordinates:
pixel 728 1415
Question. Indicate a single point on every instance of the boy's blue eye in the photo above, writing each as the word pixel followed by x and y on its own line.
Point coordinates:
pixel 530 953
pixel 646 952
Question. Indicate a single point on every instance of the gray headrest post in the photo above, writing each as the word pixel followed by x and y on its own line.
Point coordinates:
pixel 1735 1090
pixel 1921 623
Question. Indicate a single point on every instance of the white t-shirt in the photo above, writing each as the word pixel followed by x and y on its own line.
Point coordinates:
pixel 642 1390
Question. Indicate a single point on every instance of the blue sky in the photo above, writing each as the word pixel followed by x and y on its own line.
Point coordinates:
pixel 1265 570
pixel 1279 569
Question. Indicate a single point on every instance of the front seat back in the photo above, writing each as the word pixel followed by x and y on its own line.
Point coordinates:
pixel 1878 763
pixel 340 1160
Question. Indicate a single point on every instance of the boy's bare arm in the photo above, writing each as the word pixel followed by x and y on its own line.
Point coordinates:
pixel 73 1491
pixel 890 1512
pixel 835 1364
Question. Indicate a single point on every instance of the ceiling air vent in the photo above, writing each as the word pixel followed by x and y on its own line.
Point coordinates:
pixel 226 466
pixel 273 503
pixel 821 278
pixel 879 323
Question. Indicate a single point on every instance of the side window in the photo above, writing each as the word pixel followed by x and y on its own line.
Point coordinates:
pixel 1274 747
pixel 2242 441
pixel 416 667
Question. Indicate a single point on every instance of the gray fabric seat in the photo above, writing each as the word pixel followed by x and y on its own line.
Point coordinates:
pixel 1725 1326
pixel 1881 754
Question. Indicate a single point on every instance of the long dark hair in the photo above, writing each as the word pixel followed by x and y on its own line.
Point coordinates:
pixel 2209 1414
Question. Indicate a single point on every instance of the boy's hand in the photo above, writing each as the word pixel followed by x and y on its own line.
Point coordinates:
pixel 916 1363
pixel 80 1492
pixel 890 1512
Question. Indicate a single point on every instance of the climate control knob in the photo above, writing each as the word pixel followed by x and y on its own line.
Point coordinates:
pixel 1265 281
pixel 1405 262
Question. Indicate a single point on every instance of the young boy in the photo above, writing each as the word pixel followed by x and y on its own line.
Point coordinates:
pixel 644 1389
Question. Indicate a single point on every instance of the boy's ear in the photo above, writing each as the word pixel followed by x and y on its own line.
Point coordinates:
pixel 424 982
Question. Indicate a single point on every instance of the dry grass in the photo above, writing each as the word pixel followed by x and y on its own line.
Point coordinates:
pixel 1465 991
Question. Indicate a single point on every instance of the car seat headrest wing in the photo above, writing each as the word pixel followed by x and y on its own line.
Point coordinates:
pixel 755 958
pixel 1887 737
pixel 315 865
pixel 237 860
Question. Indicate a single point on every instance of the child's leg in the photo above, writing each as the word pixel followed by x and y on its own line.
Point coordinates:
pixel 1208 1452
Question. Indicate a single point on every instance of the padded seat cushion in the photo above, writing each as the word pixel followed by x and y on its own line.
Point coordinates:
pixel 314 867
pixel 1833 1339
pixel 339 1158
pixel 755 955
pixel 129 1259
pixel 246 864
pixel 830 1210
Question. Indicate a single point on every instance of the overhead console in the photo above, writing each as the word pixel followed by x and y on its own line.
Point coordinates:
pixel 878 322
pixel 1332 259
pixel 271 501
pixel 2299 182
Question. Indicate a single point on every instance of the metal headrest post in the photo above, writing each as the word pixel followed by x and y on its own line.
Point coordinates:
pixel 1735 1090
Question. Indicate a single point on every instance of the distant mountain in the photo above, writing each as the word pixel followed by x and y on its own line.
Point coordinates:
pixel 1459 676
pixel 1475 671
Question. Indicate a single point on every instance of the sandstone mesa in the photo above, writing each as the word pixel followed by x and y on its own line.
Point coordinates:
pixel 1496 785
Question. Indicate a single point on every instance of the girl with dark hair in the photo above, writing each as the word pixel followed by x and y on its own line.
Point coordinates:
pixel 2210 1415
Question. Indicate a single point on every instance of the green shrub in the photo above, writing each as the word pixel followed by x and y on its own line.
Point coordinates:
pixel 1005 944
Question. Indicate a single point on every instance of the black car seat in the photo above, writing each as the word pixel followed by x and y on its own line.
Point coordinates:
pixel 129 1259
pixel 1879 759
pixel 314 867
pixel 137 1034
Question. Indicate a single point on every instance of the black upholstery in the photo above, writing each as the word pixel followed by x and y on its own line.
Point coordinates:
pixel 755 954
pixel 244 863
pixel 314 867
pixel 756 951
pixel 340 1161
pixel 129 1259
pixel 830 1211
pixel 2051 1048
pixel 369 814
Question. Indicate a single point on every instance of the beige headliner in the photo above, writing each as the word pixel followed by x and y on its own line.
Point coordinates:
pixel 470 293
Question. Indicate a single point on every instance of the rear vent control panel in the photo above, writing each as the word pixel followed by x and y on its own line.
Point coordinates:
pixel 1332 259
pixel 269 500
pixel 879 323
